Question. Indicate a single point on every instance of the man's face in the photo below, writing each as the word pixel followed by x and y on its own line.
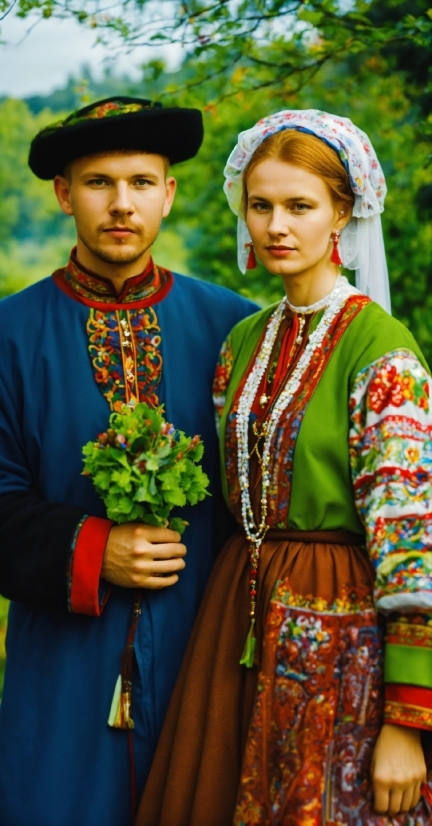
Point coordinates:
pixel 118 202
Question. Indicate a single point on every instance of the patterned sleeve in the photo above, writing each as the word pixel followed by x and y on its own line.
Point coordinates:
pixel 222 377
pixel 391 464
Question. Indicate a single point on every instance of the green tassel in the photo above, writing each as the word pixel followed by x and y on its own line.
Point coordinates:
pixel 248 656
pixel 115 702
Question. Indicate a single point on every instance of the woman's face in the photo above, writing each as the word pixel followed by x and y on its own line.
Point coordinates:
pixel 291 217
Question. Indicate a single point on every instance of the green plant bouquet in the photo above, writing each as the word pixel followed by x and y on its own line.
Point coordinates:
pixel 142 468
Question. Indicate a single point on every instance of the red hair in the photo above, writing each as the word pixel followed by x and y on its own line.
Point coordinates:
pixel 309 153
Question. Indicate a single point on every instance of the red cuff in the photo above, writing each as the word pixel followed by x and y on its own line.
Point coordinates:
pixel 408 705
pixel 87 562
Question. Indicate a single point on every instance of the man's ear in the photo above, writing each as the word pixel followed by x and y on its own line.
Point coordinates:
pixel 171 186
pixel 62 191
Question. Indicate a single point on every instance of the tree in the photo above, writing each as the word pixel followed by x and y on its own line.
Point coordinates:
pixel 365 59
pixel 298 37
pixel 30 222
pixel 376 99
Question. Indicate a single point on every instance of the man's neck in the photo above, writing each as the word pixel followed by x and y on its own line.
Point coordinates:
pixel 117 273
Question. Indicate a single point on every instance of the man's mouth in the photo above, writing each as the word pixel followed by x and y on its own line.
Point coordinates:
pixel 119 231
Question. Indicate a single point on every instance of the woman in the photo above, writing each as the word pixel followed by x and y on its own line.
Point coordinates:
pixel 325 428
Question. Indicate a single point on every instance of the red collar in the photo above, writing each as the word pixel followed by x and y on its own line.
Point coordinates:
pixel 150 287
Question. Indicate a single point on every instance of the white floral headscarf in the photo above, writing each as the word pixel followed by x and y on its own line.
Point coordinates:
pixel 361 243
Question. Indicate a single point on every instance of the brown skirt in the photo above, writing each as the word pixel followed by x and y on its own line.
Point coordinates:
pixel 196 772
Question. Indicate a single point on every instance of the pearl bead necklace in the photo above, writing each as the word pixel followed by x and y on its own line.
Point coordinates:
pixel 256 533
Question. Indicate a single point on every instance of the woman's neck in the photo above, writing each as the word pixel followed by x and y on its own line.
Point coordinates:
pixel 302 291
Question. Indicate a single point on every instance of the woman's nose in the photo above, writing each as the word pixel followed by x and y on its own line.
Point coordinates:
pixel 279 223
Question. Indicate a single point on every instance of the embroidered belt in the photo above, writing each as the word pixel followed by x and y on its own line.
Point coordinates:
pixel 326 537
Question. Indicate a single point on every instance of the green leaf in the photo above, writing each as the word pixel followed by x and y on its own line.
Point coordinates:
pixel 175 497
pixel 312 17
pixel 177 524
pixel 102 479
pixel 123 479
pixel 153 463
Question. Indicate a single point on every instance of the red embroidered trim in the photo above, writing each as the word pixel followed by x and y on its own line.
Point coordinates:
pixel 407 715
pixel 414 632
pixel 87 565
pixel 222 377
pixel 286 435
pixel 144 290
pixel 412 695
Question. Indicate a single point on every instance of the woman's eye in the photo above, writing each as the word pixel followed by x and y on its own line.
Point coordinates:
pixel 260 207
pixel 301 207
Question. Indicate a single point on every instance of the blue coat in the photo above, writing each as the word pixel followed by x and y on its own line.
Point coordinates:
pixel 60 763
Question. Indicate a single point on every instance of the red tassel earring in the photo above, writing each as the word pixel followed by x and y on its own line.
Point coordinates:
pixel 335 256
pixel 251 262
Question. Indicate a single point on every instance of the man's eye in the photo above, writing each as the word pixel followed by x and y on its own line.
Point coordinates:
pixel 97 181
pixel 142 182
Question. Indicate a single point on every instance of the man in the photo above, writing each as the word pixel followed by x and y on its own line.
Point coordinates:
pixel 108 329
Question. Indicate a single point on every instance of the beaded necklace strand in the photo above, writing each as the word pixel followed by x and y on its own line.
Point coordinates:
pixel 255 534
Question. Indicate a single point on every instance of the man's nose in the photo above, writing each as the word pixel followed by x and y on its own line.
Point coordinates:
pixel 122 202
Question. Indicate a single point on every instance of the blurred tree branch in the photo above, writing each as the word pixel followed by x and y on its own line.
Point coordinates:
pixel 308 32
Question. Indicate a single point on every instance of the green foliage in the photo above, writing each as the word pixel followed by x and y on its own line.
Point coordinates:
pixel 378 101
pixel 142 468
pixel 381 87
pixel 298 37
pixel 28 210
pixel 22 215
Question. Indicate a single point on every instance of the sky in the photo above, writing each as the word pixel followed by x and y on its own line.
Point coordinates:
pixel 36 59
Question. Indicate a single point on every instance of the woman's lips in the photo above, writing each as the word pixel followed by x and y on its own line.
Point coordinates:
pixel 280 252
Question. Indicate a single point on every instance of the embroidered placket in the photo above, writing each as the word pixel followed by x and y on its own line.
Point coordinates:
pixel 124 347
pixel 129 357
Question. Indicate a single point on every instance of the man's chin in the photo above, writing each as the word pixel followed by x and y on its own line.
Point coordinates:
pixel 119 256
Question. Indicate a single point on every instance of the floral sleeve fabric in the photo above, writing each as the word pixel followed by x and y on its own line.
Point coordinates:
pixel 391 463
pixel 222 377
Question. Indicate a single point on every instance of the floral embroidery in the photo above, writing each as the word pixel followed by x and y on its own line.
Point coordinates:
pixel 390 388
pixel 356 600
pixel 407 669
pixel 222 377
pixel 318 710
pixel 91 287
pixel 415 630
pixel 106 109
pixel 351 144
pixel 316 717
pixel 391 462
pixel 124 347
pixel 287 432
pixel 407 715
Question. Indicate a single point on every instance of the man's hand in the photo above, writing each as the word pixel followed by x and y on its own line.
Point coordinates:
pixel 398 769
pixel 142 556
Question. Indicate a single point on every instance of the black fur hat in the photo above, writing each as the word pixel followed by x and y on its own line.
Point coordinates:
pixel 116 123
